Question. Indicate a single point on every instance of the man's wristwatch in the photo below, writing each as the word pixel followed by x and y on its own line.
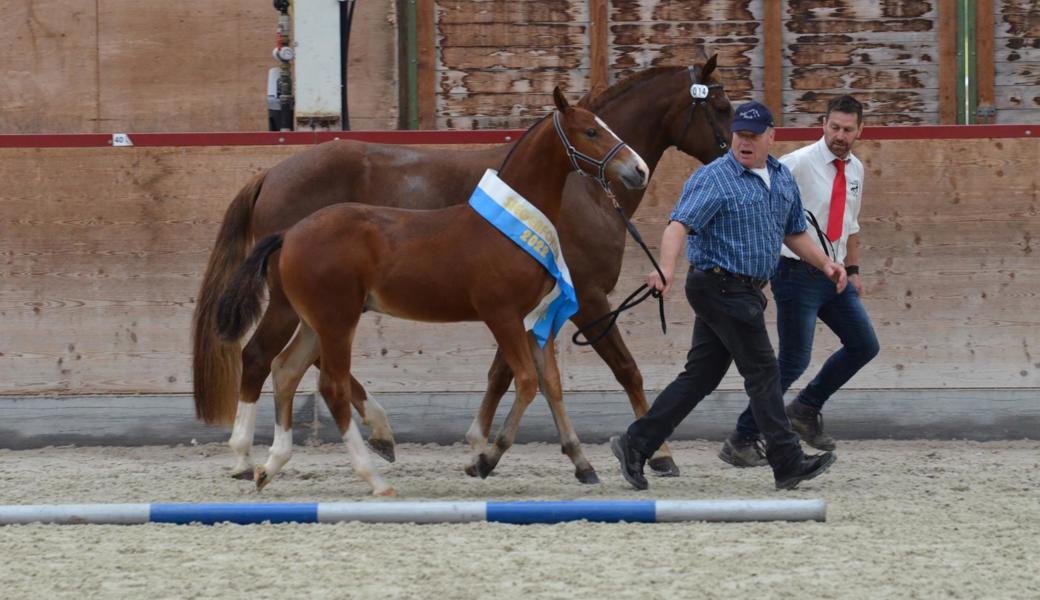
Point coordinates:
pixel 852 269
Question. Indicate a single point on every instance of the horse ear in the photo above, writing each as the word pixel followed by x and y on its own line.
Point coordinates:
pixel 560 100
pixel 709 67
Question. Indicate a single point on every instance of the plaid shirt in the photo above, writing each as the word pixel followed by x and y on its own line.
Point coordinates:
pixel 735 222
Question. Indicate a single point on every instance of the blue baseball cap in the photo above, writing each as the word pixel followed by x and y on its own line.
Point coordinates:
pixel 753 117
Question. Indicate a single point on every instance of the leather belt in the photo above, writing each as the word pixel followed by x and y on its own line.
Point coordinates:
pixel 759 283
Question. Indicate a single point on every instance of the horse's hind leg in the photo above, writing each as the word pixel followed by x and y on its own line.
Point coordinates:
pixel 381 440
pixel 335 386
pixel 499 378
pixel 512 344
pixel 552 389
pixel 271 335
pixel 612 349
pixel 287 369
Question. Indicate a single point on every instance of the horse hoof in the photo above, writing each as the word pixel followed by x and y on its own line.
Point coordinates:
pixel 484 466
pixel 245 475
pixel 588 477
pixel 261 478
pixel 664 466
pixel 471 470
pixel 389 492
pixel 384 449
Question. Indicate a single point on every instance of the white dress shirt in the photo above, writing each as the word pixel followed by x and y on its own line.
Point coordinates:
pixel 814 170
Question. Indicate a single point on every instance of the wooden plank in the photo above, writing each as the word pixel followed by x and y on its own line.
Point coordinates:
pixel 947 61
pixel 495 11
pixel 509 35
pixel 842 53
pixel 733 10
pixel 151 80
pixel 872 77
pixel 695 33
pixel 560 57
pixel 426 57
pixel 1019 96
pixel 50 67
pixel 772 77
pixel 598 24
pixel 481 81
pixel 985 57
pixel 372 74
pixel 802 12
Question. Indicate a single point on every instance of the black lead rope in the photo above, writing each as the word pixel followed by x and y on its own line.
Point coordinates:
pixel 633 299
pixel 824 241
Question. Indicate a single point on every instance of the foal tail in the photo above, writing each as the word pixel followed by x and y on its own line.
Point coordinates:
pixel 217 366
pixel 240 305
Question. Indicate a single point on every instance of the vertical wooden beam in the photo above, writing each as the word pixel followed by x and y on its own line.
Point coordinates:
pixel 985 59
pixel 598 55
pixel 426 57
pixel 772 35
pixel 947 62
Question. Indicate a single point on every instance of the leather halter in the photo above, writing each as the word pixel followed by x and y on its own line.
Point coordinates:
pixel 722 143
pixel 574 154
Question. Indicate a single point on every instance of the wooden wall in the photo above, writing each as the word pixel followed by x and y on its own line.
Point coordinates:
pixel 80 66
pixel 1017 49
pixel 108 65
pixel 102 250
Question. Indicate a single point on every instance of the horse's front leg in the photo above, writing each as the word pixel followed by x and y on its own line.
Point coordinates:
pixel 549 381
pixel 499 378
pixel 512 343
pixel 287 370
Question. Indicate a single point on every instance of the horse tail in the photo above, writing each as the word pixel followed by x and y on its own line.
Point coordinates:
pixel 240 305
pixel 217 366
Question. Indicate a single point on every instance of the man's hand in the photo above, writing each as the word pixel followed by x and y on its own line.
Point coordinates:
pixel 836 273
pixel 856 283
pixel 653 279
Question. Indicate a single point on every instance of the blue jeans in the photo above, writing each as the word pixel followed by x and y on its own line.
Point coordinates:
pixel 802 293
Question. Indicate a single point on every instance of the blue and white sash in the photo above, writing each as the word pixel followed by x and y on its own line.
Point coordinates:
pixel 521 222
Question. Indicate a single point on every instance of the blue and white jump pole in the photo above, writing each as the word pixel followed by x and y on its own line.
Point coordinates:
pixel 521 513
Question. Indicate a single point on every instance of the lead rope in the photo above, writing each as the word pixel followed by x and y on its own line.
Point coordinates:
pixel 632 299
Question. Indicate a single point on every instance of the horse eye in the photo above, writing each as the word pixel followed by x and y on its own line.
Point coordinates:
pixel 591 132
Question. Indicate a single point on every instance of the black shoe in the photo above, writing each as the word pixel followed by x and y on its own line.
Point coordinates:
pixel 741 451
pixel 631 460
pixel 807 422
pixel 804 469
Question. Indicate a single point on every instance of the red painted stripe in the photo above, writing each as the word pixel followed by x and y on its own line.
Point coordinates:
pixel 487 136
pixel 918 132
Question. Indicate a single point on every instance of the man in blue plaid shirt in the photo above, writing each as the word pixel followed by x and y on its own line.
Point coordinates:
pixel 734 214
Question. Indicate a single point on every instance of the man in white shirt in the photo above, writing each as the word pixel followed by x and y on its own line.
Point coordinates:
pixel 830 180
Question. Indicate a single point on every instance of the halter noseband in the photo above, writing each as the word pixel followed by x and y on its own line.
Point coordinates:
pixel 700 92
pixel 574 154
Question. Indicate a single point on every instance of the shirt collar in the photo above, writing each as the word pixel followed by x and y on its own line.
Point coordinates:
pixel 772 164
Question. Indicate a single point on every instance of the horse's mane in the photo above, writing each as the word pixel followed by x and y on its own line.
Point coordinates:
pixel 521 139
pixel 597 101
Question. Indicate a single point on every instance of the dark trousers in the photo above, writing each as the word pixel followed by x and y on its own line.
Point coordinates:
pixel 802 294
pixel 729 327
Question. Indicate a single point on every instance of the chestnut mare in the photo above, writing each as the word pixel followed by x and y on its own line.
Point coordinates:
pixel 651 110
pixel 443 265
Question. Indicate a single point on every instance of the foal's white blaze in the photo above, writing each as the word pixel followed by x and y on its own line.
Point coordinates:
pixel 241 441
pixel 362 461
pixel 639 159
pixel 281 451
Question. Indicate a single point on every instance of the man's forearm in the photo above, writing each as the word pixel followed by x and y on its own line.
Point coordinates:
pixel 852 250
pixel 673 240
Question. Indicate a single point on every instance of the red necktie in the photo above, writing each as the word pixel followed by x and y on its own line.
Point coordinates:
pixel 837 216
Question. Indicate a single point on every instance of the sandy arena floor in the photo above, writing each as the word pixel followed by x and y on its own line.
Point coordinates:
pixel 922 519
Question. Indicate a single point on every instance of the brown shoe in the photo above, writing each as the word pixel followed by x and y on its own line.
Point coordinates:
pixel 743 452
pixel 807 422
